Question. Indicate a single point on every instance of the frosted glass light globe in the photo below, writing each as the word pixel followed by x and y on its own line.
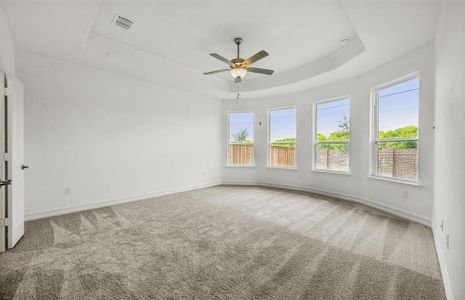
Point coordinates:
pixel 238 72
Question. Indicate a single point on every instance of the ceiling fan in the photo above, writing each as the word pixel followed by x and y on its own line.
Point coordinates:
pixel 238 67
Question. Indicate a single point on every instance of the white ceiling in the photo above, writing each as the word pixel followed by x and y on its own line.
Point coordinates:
pixel 187 31
pixel 170 40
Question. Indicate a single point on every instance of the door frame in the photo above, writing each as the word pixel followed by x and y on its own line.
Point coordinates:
pixel 3 151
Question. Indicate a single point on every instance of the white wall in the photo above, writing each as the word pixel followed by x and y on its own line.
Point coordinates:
pixel 110 137
pixel 7 48
pixel 449 196
pixel 357 186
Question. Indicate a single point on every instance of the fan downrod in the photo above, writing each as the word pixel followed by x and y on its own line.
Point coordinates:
pixel 238 42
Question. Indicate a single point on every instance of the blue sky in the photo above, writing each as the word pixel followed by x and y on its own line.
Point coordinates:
pixel 329 113
pixel 283 123
pixel 239 121
pixel 398 107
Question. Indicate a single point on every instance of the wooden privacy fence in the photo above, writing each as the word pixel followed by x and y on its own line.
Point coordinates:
pixel 282 156
pixel 399 163
pixel 241 154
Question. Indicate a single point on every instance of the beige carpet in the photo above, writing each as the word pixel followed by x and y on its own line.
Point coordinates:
pixel 224 242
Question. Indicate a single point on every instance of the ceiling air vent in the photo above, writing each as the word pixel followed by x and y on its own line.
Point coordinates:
pixel 122 22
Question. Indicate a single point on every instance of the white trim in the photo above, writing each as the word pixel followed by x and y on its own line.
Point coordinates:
pixel 374 128
pixel 442 266
pixel 329 171
pixel 92 205
pixel 240 166
pixel 395 180
pixel 282 168
pixel 315 141
pixel 228 133
pixel 397 80
pixel 371 203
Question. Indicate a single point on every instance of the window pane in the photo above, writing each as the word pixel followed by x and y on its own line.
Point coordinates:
pixel 333 120
pixel 241 138
pixel 282 155
pixel 333 157
pixel 398 110
pixel 241 127
pixel 398 160
pixel 282 137
pixel 283 125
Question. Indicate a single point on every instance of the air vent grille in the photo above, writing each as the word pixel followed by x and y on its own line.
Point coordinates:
pixel 123 22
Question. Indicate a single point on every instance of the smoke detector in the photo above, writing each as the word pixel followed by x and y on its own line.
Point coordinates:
pixel 122 22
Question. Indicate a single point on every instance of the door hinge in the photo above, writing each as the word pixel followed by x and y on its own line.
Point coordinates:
pixel 4 222
pixel 5 182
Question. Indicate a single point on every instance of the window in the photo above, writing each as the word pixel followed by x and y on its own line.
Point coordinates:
pixel 332 135
pixel 395 134
pixel 282 137
pixel 240 138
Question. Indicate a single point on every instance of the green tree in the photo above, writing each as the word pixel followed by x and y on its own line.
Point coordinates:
pixel 402 132
pixel 343 134
pixel 285 140
pixel 344 124
pixel 242 135
pixel 320 137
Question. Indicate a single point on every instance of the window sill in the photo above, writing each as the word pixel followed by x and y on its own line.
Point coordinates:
pixel 240 166
pixel 346 173
pixel 282 168
pixel 392 180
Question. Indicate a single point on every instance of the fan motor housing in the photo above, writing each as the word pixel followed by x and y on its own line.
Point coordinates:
pixel 238 63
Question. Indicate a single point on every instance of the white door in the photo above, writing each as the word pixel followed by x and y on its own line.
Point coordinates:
pixel 3 206
pixel 15 160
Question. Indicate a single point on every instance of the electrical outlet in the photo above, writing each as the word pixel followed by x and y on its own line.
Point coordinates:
pixel 67 191
pixel 447 241
pixel 405 194
pixel 442 225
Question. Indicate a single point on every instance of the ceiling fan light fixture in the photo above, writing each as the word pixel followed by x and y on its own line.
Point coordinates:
pixel 238 73
pixel 239 67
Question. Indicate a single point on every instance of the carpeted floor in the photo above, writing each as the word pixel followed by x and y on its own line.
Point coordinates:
pixel 224 242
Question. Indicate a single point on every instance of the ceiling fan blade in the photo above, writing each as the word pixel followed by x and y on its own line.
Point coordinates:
pixel 256 57
pixel 260 70
pixel 217 71
pixel 217 56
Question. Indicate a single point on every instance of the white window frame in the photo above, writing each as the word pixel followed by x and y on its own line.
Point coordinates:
pixel 268 164
pixel 228 142
pixel 375 131
pixel 315 136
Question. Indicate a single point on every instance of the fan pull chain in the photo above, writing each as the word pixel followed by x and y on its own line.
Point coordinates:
pixel 238 95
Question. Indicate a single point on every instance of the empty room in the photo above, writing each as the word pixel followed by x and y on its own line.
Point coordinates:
pixel 208 149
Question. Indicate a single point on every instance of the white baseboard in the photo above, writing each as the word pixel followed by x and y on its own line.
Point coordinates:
pixel 442 265
pixel 92 205
pixel 389 209
pixel 70 209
